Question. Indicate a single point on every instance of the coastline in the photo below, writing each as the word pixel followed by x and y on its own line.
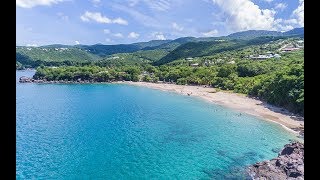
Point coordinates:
pixel 238 102
pixel 235 101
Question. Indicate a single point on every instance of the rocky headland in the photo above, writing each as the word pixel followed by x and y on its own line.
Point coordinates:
pixel 288 165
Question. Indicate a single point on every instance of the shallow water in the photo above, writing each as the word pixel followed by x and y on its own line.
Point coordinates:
pixel 116 131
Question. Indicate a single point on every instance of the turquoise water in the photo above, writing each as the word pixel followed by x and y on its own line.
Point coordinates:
pixel 112 131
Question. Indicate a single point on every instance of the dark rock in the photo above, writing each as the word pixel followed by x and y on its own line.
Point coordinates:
pixel 287 150
pixel 288 165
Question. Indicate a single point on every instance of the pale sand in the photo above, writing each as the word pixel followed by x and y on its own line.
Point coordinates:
pixel 235 101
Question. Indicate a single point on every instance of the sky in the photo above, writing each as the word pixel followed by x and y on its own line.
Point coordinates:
pixel 71 22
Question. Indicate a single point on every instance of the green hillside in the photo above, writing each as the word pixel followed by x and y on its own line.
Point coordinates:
pixel 206 48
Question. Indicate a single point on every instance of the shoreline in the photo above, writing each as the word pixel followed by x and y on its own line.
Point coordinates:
pixel 234 101
pixel 238 102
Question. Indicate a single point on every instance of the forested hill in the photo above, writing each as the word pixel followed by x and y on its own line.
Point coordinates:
pixel 258 33
pixel 156 51
pixel 206 48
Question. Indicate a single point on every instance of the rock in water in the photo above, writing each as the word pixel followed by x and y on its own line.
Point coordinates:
pixel 288 165
pixel 25 79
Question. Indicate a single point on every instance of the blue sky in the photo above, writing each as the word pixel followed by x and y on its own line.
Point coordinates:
pixel 42 22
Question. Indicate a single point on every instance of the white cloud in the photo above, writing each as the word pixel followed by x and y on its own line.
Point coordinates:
pixel 133 35
pixel 285 27
pixel 245 15
pixel 210 33
pixel 118 35
pixel 284 24
pixel 297 19
pixel 33 3
pixel 77 42
pixel 120 21
pixel 158 36
pixel 32 45
pixel 99 18
pixel 299 13
pixel 281 6
pixel 106 31
pixel 269 1
pixel 175 26
pixel 290 21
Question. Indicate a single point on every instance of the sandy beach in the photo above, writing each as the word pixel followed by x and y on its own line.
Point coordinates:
pixel 235 101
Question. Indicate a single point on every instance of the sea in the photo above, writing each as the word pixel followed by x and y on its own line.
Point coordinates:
pixel 118 131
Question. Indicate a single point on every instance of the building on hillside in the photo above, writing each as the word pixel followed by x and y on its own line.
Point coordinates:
pixel 261 56
pixel 194 65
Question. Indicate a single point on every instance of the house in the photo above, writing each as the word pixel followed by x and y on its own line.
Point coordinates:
pixel 194 65
pixel 261 56
pixel 189 59
pixel 231 62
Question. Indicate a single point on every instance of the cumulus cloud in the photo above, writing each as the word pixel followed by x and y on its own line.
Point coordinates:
pixel 175 26
pixel 99 18
pixel 158 36
pixel 77 42
pixel 299 13
pixel 281 6
pixel 210 33
pixel 283 25
pixel 33 3
pixel 133 35
pixel 245 15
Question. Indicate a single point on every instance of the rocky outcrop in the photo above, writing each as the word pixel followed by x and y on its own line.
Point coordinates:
pixel 288 165
pixel 25 79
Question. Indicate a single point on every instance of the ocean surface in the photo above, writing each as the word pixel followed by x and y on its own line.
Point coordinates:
pixel 116 131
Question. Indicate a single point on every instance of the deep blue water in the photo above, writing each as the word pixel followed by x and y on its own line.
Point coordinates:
pixel 112 131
